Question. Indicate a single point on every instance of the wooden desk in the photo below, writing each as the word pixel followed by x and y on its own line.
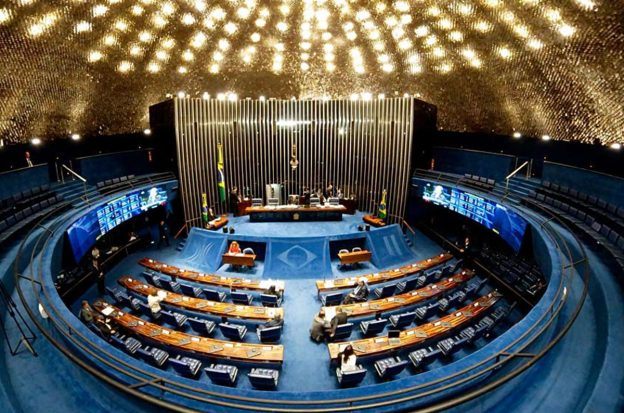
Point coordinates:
pixel 418 335
pixel 203 306
pixel 203 346
pixel 350 204
pixel 354 257
pixel 239 259
pixel 402 300
pixel 287 213
pixel 217 223
pixel 374 221
pixel 210 279
pixel 242 206
pixel 379 277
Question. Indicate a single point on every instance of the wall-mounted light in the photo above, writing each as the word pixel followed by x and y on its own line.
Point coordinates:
pixel 517 135
pixel 35 141
pixel 546 137
pixel 75 136
pixel 616 146
pixel 147 132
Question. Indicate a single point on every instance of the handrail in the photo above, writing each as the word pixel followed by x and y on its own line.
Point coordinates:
pixel 71 171
pixel 511 175
pixel 173 387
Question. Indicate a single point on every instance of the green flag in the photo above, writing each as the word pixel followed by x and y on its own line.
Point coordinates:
pixel 221 182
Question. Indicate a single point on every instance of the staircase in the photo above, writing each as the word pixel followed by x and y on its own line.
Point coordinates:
pixel 519 187
pixel 74 192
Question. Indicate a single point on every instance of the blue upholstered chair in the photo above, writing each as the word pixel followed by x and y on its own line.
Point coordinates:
pixel 153 355
pixel 233 331
pixel 424 356
pixel 390 367
pixel 222 374
pixel 265 379
pixel 385 291
pixel 373 327
pixel 426 311
pixel 214 295
pixel 407 285
pixel 343 331
pixel 201 326
pixel 185 366
pixel 402 320
pixel 331 299
pixel 173 318
pixel 190 290
pixel 270 300
pixel 350 378
pixel 269 334
pixel 241 298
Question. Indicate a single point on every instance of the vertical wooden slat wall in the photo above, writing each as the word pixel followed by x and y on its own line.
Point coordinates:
pixel 360 146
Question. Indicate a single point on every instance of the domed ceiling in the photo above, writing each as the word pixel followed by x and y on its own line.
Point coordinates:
pixel 532 66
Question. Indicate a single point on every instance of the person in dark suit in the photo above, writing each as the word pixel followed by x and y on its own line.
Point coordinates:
pixel 274 322
pixel 359 293
pixel 235 198
pixel 97 270
pixel 305 196
pixel 273 291
pixel 317 331
pixel 338 319
pixel 163 236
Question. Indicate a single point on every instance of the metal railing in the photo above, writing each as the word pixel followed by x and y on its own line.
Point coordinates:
pixel 517 356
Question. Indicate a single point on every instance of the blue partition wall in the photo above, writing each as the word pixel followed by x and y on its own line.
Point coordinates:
pixel 106 166
pixel 607 187
pixel 18 180
pixel 464 161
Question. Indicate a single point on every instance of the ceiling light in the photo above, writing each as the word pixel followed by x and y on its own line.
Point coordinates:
pixel 147 132
pixel 35 141
pixel 546 137
pixel 75 136
pixel 517 135
pixel 616 146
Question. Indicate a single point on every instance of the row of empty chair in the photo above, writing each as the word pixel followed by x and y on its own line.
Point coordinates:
pixel 114 182
pixel 523 277
pixel 599 220
pixel 210 279
pixel 479 181
pixel 20 219
pixel 221 374
pixel 323 286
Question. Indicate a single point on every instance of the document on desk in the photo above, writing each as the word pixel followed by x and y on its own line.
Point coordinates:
pixel 108 311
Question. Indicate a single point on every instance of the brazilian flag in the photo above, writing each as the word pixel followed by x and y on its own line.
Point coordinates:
pixel 221 181
pixel 205 209
pixel 382 206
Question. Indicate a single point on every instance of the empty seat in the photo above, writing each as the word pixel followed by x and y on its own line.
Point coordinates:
pixel 222 374
pixel 233 331
pixel 153 355
pixel 424 356
pixel 248 251
pixel 129 344
pixel 265 379
pixel 385 291
pixel 483 327
pixel 406 286
pixel 269 334
pixel 389 367
pixel 214 295
pixel 241 298
pixel 421 281
pixel 402 320
pixel 426 311
pixel 468 335
pixel 350 378
pixel 331 299
pixel 356 249
pixel 114 293
pixel 172 318
pixel 172 286
pixel 190 290
pixel 153 279
pixel 343 331
pixel 201 326
pixel 270 300
pixel 186 366
pixel 343 251
pixel 452 300
pixel 447 347
pixel 373 327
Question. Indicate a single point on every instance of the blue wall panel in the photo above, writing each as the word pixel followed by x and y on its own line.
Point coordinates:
pixel 100 167
pixel 462 161
pixel 607 187
pixel 203 250
pixel 388 247
pixel 297 257
pixel 18 180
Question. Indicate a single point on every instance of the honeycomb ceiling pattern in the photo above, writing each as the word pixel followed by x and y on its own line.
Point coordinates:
pixel 536 67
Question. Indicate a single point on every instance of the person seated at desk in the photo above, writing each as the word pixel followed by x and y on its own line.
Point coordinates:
pixel 319 324
pixel 234 248
pixel 153 302
pixel 87 313
pixel 338 319
pixel 359 293
pixel 272 290
pixel 348 359
pixel 276 321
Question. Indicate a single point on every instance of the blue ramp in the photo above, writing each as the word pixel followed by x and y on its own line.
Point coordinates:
pixel 297 258
pixel 389 247
pixel 203 250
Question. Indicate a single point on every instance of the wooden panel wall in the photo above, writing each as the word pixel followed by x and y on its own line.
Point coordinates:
pixel 360 146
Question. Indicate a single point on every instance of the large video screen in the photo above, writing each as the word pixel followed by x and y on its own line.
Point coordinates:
pixel 83 233
pixel 503 221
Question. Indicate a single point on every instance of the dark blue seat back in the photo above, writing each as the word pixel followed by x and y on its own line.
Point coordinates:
pixel 351 378
pixel 241 298
pixel 263 378
pixel 269 300
pixel 203 327
pixel 373 327
pixel 222 374
pixel 343 331
pixel 270 334
pixel 402 320
pixel 213 295
pixel 233 331
pixel 332 299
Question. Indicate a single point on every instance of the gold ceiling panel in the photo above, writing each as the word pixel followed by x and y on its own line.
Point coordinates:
pixel 533 66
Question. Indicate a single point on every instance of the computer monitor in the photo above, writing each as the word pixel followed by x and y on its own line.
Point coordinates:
pixel 394 333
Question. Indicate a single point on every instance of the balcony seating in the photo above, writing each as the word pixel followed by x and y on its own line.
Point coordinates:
pixel 185 366
pixel 264 379
pixel 153 355
pixel 350 378
pixel 390 367
pixel 241 298
pixel 201 326
pixel 214 295
pixel 233 331
pixel 373 327
pixel 222 374
pixel 269 334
